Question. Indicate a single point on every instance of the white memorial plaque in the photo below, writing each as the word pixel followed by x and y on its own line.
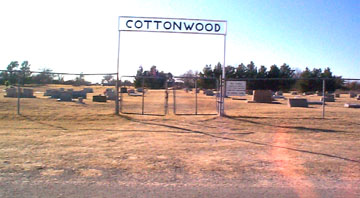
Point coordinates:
pixel 235 88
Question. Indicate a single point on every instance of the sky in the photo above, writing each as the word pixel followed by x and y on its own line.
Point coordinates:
pixel 82 36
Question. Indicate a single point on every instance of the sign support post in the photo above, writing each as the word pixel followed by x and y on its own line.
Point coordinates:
pixel 117 80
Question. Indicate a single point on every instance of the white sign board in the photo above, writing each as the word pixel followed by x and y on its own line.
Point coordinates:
pixel 172 25
pixel 235 88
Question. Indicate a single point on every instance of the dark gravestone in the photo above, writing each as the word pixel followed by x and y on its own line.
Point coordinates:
pixel 328 98
pixel 99 98
pixel 315 102
pixel 337 95
pixel 65 96
pixel 78 94
pixel 209 92
pixel 123 90
pixel 27 93
pixel 48 92
pixel 297 102
pixel 55 93
pixel 88 90
pixel 11 92
pixel 352 105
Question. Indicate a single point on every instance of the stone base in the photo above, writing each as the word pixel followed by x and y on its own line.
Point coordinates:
pixel 297 102
pixel 99 98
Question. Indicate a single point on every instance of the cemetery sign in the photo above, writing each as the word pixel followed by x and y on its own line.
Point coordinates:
pixel 172 25
pixel 235 88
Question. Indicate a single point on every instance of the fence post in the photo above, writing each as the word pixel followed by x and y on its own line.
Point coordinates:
pixel 117 95
pixel 18 98
pixel 196 101
pixel 166 96
pixel 323 99
pixel 174 99
pixel 142 106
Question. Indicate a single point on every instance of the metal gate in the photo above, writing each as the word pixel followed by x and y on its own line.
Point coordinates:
pixel 195 96
pixel 145 95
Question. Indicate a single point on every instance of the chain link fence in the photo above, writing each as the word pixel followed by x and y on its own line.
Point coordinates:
pixel 55 95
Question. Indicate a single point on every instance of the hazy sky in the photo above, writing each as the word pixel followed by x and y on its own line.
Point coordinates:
pixel 81 36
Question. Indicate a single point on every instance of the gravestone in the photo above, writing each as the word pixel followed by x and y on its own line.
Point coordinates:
pixel 55 93
pixel 352 105
pixel 130 91
pixel 77 94
pixel 123 90
pixel 65 96
pixel 352 95
pixel 209 92
pixel 27 93
pixel 315 102
pixel 48 92
pixel 111 96
pixel 297 102
pixel 99 98
pixel 262 96
pixel 88 90
pixel 135 94
pixel 337 95
pixel 278 93
pixel 11 92
pixel 249 92
pixel 328 98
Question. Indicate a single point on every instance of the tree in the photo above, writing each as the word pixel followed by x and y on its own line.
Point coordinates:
pixel 304 85
pixel 334 82
pixel 152 79
pixel 230 72
pixel 107 79
pixel 25 73
pixel 274 73
pixel 217 70
pixel 189 79
pixel 286 72
pixel 241 71
pixel 262 73
pixel 44 77
pixel 80 80
pixel 11 73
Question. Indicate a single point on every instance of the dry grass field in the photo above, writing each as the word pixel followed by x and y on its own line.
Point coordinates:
pixel 255 145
